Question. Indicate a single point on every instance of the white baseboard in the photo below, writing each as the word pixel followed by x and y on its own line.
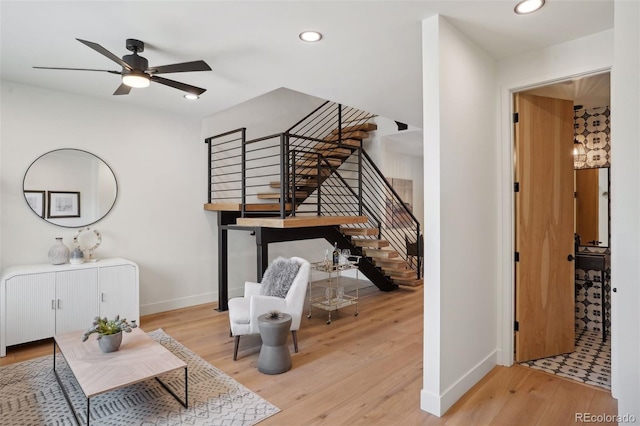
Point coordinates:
pixel 439 404
pixel 183 302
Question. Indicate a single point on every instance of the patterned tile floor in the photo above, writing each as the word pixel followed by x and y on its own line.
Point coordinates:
pixel 590 363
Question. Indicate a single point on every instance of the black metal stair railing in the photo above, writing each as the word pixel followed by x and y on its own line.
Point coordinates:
pixel 317 167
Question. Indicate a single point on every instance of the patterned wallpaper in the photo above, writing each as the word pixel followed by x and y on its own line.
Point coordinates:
pixel 593 129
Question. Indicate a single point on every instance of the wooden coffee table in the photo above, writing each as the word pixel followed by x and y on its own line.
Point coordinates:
pixel 139 358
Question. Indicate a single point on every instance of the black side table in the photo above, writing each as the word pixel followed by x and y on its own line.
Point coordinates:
pixel 274 355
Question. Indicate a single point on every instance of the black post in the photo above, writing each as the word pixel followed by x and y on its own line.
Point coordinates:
pixel 319 203
pixel 244 175
pixel 210 168
pixel 262 254
pixel 223 267
pixel 293 181
pixel 284 183
pixel 419 250
pixel 340 125
pixel 360 179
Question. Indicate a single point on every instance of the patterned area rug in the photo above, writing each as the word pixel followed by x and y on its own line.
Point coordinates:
pixel 590 363
pixel 30 395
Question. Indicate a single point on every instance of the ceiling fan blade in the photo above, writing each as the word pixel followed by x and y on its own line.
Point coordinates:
pixel 177 85
pixel 77 69
pixel 105 52
pixel 182 67
pixel 123 89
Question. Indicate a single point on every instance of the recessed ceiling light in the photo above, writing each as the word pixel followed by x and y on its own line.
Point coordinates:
pixel 310 36
pixel 191 96
pixel 528 6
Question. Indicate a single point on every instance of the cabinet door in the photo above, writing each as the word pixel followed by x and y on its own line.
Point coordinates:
pixel 76 299
pixel 30 307
pixel 119 292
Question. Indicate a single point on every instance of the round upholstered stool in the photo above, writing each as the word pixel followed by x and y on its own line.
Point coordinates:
pixel 274 354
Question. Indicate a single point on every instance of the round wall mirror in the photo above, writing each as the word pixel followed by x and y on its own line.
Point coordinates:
pixel 70 188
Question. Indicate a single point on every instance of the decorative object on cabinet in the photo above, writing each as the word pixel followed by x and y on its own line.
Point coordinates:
pixel 244 311
pixel 35 199
pixel 59 253
pixel 77 256
pixel 44 300
pixel 89 174
pixel 109 332
pixel 63 204
pixel 88 241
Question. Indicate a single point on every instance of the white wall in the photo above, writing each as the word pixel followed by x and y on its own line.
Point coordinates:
pixel 461 225
pixel 159 161
pixel 625 208
pixel 554 63
pixel 619 49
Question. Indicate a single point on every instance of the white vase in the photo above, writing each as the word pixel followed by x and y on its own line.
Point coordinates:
pixel 59 253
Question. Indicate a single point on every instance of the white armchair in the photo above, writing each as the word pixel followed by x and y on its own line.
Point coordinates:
pixel 244 311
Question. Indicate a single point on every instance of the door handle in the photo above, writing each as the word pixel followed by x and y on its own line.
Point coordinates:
pixel 570 258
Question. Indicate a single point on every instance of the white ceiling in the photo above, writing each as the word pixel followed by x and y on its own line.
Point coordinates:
pixel 370 57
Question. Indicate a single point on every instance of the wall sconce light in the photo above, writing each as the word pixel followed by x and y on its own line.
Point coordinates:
pixel 579 155
pixel 579 152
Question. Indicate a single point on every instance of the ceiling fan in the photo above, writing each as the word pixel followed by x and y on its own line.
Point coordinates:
pixel 136 71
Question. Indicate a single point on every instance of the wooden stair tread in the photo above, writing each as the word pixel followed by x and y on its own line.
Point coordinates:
pixel 393 262
pixel 399 273
pixel 408 282
pixel 365 127
pixel 359 231
pixel 276 195
pixel 311 162
pixel 299 183
pixel 357 134
pixel 368 242
pixel 329 145
pixel 236 207
pixel 387 254
pixel 336 152
pixel 300 221
pixel 308 171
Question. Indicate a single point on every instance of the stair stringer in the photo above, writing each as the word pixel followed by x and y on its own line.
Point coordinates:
pixel 366 266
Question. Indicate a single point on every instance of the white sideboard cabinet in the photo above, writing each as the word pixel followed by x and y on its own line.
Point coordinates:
pixel 39 301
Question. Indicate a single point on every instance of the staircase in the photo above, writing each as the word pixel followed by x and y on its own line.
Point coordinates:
pixel 317 169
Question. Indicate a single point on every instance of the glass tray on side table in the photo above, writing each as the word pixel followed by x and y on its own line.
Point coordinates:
pixel 334 297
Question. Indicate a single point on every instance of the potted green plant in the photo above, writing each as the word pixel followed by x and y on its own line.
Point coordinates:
pixel 109 332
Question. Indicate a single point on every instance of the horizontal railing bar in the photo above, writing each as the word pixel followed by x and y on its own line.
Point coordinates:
pixel 209 139
pixel 264 138
pixel 226 150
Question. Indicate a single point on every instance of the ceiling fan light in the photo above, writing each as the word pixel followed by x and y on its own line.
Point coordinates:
pixel 528 6
pixel 135 80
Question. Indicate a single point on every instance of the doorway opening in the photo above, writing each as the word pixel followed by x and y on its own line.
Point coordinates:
pixel 589 358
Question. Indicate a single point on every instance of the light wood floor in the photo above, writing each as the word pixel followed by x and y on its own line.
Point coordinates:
pixel 367 370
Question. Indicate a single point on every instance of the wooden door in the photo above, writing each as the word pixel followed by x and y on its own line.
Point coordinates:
pixel 544 281
pixel 587 193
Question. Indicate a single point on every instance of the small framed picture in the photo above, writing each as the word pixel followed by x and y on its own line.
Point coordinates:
pixel 35 199
pixel 63 204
